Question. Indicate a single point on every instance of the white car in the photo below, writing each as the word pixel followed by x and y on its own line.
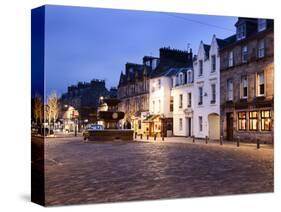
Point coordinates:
pixel 90 127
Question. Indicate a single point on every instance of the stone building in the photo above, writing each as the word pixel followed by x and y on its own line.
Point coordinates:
pixel 84 97
pixel 133 91
pixel 247 82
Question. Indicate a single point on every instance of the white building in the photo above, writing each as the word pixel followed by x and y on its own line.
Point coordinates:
pixel 160 103
pixel 182 94
pixel 207 90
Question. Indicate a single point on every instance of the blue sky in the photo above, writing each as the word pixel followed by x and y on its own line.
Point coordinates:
pixel 85 43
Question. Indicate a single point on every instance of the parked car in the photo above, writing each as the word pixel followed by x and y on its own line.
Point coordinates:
pixel 90 127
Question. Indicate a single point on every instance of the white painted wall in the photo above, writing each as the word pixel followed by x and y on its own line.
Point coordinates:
pixel 178 112
pixel 206 80
pixel 160 95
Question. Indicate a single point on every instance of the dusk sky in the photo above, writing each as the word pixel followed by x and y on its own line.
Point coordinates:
pixel 86 43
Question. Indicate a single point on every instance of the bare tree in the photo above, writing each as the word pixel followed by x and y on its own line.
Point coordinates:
pixel 52 108
pixel 38 109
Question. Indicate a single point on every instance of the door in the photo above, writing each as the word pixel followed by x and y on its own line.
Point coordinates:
pixel 229 126
pixel 189 126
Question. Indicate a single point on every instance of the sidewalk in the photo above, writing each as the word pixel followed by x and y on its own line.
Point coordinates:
pixel 198 141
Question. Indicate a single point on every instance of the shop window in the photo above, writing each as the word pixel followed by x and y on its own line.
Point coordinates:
pixel 266 121
pixel 242 121
pixel 253 120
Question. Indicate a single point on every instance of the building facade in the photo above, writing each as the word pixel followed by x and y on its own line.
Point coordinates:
pixel 206 90
pixel 182 98
pixel 247 82
pixel 161 100
pixel 84 97
pixel 133 91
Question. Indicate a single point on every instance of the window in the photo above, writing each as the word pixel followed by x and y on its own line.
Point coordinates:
pixel 260 86
pixel 180 124
pixel 139 124
pixel 229 90
pixel 213 63
pixel 189 77
pixel 261 49
pixel 159 83
pixel 171 104
pixel 244 54
pixel 266 120
pixel 261 24
pixel 200 102
pixel 181 79
pixel 241 31
pixel 159 105
pixel 213 90
pixel 200 68
pixel 189 99
pixel 242 121
pixel 253 119
pixel 230 59
pixel 200 121
pixel 180 101
pixel 244 87
pixel 153 105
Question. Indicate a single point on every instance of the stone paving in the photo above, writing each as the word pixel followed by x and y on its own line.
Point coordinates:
pixel 79 172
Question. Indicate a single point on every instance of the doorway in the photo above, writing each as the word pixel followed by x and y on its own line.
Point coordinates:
pixel 188 125
pixel 229 126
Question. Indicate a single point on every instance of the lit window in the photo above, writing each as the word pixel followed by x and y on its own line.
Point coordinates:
pixel 213 90
pixel 261 49
pixel 229 90
pixel 266 120
pixel 261 24
pixel 242 121
pixel 241 31
pixel 200 121
pixel 260 87
pixel 180 101
pixel 253 119
pixel 230 59
pixel 180 123
pixel 200 102
pixel 213 63
pixel 244 87
pixel 244 54
pixel 200 67
pixel 171 104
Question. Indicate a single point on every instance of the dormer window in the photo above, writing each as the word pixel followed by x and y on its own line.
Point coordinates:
pixel 241 32
pixel 200 68
pixel 189 77
pixel 261 25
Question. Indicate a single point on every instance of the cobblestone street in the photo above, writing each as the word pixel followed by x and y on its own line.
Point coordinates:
pixel 78 172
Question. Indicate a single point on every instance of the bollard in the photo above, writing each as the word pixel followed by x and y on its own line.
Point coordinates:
pixel 193 139
pixel 258 143
pixel 155 137
pixel 147 136
pixel 221 139
pixel 136 134
pixel 238 141
pixel 141 136
pixel 162 137
pixel 206 139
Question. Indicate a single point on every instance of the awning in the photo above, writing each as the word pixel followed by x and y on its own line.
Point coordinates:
pixel 150 118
